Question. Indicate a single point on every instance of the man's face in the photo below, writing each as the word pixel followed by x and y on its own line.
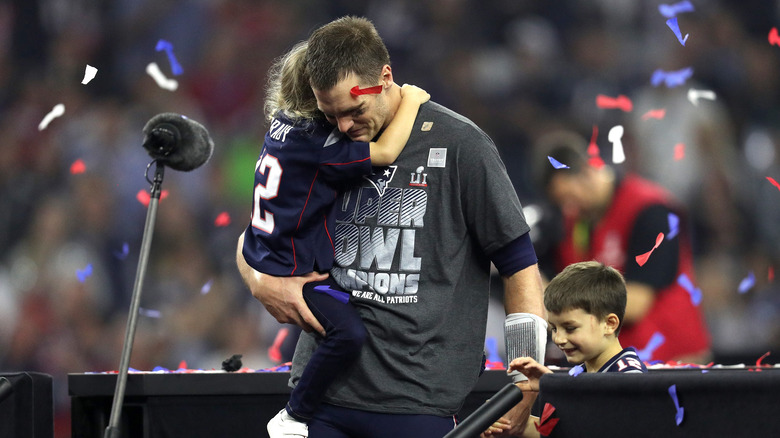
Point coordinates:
pixel 573 193
pixel 359 117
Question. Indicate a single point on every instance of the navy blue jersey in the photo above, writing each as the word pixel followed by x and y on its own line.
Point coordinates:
pixel 297 177
pixel 627 361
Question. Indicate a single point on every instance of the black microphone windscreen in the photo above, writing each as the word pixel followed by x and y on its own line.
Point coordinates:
pixel 177 141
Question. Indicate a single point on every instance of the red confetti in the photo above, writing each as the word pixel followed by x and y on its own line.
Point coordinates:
pixel 183 365
pixel 758 362
pixel 679 151
pixel 654 114
pixel 547 423
pixel 78 167
pixel 274 351
pixel 222 220
pixel 357 91
pixel 774 183
pixel 770 275
pixel 144 198
pixel 642 258
pixel 621 102
pixel 593 150
pixel 774 38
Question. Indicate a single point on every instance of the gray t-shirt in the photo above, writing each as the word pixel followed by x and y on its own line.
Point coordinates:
pixel 411 247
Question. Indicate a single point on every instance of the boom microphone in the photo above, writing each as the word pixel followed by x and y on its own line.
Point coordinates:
pixel 488 413
pixel 177 141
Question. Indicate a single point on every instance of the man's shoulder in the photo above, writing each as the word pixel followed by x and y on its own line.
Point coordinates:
pixel 433 115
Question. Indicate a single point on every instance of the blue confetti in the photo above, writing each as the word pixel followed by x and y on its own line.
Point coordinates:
pixel 680 412
pixel 83 274
pixel 149 312
pixel 672 23
pixel 576 371
pixel 491 348
pixel 674 226
pixel 655 341
pixel 671 11
pixel 206 287
pixel 123 254
pixel 557 164
pixel 747 283
pixel 168 48
pixel 672 79
pixel 687 284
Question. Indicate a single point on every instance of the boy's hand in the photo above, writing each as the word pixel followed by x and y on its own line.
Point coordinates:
pixel 531 369
pixel 415 93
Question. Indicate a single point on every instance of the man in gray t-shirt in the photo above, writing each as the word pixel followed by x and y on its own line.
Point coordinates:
pixel 414 245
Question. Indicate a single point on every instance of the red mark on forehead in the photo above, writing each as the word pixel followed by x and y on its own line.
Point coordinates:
pixel 357 91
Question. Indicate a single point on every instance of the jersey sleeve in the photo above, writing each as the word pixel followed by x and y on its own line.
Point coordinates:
pixel 489 199
pixel 343 160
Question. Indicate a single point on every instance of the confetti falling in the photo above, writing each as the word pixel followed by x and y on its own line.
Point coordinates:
pixel 593 150
pixel 163 82
pixel 121 255
pixel 621 102
pixel 642 258
pixel 679 151
pixel 78 167
pixel 149 313
pixel 655 341
pixel 576 370
pixel 89 74
pixel 83 274
pixel 144 198
pixel 674 225
pixel 57 111
pixel 557 164
pixel 206 287
pixel 671 11
pixel 654 114
pixel 774 38
pixel 274 351
pixel 168 48
pixel 615 136
pixel 672 23
pixel 694 95
pixel 774 183
pixel 547 424
pixel 222 220
pixel 357 91
pixel 693 291
pixel 680 412
pixel 671 79
pixel 747 283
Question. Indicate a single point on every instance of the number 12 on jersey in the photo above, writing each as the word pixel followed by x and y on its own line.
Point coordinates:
pixel 269 166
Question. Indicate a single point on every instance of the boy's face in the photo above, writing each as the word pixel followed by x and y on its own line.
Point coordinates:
pixel 580 335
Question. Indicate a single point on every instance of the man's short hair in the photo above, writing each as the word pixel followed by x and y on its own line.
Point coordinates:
pixel 346 45
pixel 594 287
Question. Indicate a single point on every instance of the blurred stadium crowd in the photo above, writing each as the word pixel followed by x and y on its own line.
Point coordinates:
pixel 69 239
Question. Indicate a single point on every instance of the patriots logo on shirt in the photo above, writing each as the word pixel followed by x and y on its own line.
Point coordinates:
pixel 380 177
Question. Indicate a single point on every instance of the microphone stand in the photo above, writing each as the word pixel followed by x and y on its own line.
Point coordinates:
pixel 112 431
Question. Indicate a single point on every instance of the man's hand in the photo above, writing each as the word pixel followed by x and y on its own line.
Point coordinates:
pixel 281 296
pixel 515 423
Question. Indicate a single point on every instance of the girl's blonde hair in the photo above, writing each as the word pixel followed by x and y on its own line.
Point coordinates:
pixel 288 86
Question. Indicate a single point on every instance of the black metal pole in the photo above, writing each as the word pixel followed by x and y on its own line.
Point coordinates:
pixel 112 431
pixel 489 412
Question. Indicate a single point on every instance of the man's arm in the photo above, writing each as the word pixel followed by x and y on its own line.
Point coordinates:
pixel 281 296
pixel 522 294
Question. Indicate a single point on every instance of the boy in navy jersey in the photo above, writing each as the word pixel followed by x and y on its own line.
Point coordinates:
pixel 586 303
pixel 303 164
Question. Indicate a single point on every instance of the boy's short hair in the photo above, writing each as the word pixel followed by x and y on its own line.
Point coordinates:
pixel 594 287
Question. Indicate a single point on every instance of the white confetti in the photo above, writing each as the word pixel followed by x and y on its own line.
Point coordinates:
pixel 57 111
pixel 166 84
pixel 615 137
pixel 89 74
pixel 694 95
